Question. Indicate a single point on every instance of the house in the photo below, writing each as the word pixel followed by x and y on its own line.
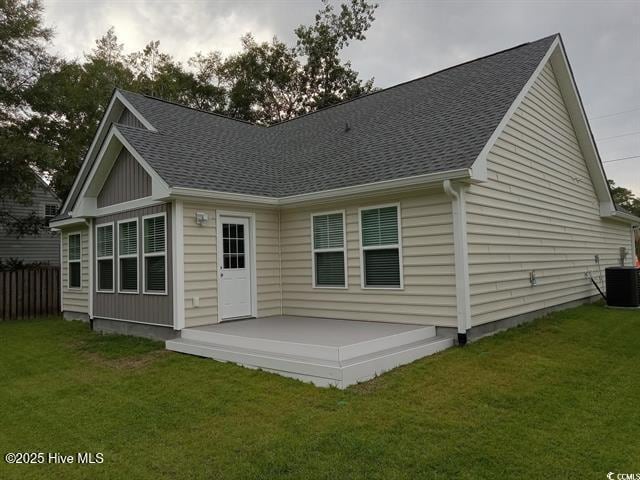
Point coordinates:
pixel 350 240
pixel 41 248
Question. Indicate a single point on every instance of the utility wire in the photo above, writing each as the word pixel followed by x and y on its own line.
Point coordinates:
pixel 618 136
pixel 620 159
pixel 615 114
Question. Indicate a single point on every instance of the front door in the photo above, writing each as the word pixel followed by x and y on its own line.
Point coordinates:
pixel 235 267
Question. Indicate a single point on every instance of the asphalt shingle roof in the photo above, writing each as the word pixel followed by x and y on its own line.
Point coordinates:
pixel 433 124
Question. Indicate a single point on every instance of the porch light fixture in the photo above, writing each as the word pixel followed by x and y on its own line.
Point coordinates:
pixel 201 218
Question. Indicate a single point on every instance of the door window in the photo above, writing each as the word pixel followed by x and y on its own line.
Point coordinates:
pixel 233 238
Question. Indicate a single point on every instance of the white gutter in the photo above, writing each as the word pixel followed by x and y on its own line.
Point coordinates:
pixel 456 192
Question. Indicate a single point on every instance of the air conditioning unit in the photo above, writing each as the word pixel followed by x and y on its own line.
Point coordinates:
pixel 623 286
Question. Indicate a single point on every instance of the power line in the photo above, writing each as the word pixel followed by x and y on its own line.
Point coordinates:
pixel 615 114
pixel 618 136
pixel 620 159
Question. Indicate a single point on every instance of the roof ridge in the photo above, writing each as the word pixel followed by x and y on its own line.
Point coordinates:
pixel 414 79
pixel 151 97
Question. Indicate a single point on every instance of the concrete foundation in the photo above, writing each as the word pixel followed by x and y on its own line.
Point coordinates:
pixel 154 332
pixel 68 315
pixel 491 328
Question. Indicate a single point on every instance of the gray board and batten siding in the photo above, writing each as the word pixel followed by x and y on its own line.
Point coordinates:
pixel 127 181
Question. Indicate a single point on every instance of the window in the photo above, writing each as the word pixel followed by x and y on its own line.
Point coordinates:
pixel 155 258
pixel 329 250
pixel 50 210
pixel 381 254
pixel 104 257
pixel 233 251
pixel 128 256
pixel 74 261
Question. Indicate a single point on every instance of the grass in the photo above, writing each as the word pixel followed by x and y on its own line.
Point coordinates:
pixel 559 398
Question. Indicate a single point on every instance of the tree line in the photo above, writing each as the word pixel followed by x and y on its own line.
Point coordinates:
pixel 50 107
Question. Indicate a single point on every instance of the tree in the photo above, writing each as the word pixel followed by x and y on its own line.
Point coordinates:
pixel 23 59
pixel 329 80
pixel 625 198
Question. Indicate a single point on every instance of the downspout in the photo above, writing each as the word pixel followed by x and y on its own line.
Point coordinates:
pixel 456 192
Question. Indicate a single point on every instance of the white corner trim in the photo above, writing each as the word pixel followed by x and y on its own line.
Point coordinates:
pixel 177 233
pixel 456 192
pixel 479 168
pixel 91 266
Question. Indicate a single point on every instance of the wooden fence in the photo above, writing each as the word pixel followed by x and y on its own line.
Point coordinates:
pixel 29 293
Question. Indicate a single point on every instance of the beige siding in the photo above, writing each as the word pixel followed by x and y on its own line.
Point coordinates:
pixel 428 296
pixel 539 211
pixel 200 263
pixel 76 300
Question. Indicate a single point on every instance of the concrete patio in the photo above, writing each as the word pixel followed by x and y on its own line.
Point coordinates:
pixel 326 352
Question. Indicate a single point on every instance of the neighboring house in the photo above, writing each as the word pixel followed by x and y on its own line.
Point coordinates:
pixel 44 247
pixel 361 236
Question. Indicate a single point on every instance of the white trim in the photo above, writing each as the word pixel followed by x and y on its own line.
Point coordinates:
pixel 102 317
pixel 154 254
pixel 456 192
pixel 479 166
pixel 125 206
pixel 381 247
pixel 106 120
pixel 323 194
pixel 69 261
pixel 252 257
pixel 90 223
pixel 62 272
pixel 177 232
pixel 135 112
pixel 136 256
pixel 67 222
pixel 321 250
pixel 112 257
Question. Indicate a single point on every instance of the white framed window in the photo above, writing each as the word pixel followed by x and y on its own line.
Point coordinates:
pixel 104 258
pixel 74 261
pixel 381 247
pixel 50 210
pixel 128 256
pixel 329 250
pixel 154 265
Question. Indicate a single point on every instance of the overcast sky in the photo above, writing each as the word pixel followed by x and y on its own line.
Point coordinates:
pixel 409 38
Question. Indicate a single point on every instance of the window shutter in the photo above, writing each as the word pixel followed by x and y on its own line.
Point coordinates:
pixel 380 226
pixel 128 238
pixel 382 268
pixel 105 241
pixel 154 235
pixel 330 269
pixel 328 231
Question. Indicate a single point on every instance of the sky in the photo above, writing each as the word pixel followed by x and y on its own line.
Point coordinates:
pixel 409 39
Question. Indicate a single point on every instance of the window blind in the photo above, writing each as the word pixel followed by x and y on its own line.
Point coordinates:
pixel 105 241
pixel 328 231
pixel 74 247
pixel 128 238
pixel 154 235
pixel 380 226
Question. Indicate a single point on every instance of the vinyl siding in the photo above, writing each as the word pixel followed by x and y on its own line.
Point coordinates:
pixel 44 247
pixel 138 307
pixel 200 263
pixel 127 181
pixel 428 296
pixel 539 211
pixel 75 300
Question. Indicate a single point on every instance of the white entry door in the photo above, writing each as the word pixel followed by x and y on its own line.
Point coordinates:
pixel 235 267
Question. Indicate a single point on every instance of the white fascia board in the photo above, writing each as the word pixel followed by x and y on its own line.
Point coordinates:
pixel 625 217
pixel 135 112
pixel 479 168
pixel 573 101
pixel 418 180
pixel 67 222
pixel 112 111
pixel 86 205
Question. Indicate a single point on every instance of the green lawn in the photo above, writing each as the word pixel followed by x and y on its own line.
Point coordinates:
pixel 559 398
